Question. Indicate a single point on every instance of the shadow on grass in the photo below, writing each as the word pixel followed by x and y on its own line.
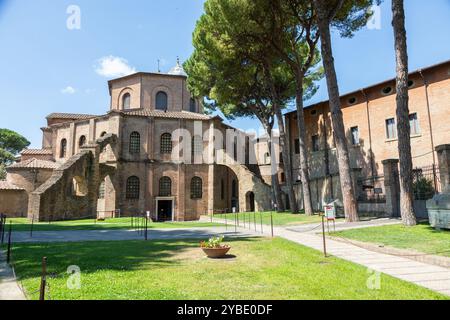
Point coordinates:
pixel 91 257
pixel 21 227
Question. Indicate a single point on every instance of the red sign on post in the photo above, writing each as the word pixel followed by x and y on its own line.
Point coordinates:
pixel 330 212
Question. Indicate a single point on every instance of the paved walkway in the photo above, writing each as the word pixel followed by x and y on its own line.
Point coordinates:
pixel 9 288
pixel 113 235
pixel 432 277
pixel 342 225
pixel 429 276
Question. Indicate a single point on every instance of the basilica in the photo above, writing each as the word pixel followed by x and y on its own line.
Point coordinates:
pixel 126 162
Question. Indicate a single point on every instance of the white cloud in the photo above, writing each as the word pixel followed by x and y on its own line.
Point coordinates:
pixel 68 90
pixel 111 67
pixel 89 91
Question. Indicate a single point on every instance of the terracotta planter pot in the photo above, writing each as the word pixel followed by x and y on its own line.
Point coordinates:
pixel 216 252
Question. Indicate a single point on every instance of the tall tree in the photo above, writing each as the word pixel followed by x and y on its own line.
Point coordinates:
pixel 290 30
pixel 235 85
pixel 287 28
pixel 230 24
pixel 403 126
pixel 11 143
pixel 347 16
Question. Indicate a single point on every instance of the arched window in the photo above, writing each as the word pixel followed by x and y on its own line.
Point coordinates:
pixel 63 148
pixel 133 188
pixel 197 145
pixel 234 189
pixel 126 101
pixel 267 158
pixel 166 143
pixel 192 105
pixel 165 187
pixel 222 189
pixel 135 143
pixel 161 100
pixel 196 188
pixel 79 187
pixel 82 141
pixel 101 190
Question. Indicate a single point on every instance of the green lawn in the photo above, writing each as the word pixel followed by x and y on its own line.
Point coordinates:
pixel 279 219
pixel 420 238
pixel 178 270
pixel 23 224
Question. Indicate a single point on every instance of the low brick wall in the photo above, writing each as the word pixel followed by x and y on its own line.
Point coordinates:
pixel 13 203
pixel 372 209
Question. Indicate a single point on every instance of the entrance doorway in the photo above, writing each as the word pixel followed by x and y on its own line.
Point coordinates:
pixel 164 209
pixel 250 202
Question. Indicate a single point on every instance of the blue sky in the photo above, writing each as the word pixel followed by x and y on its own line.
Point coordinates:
pixel 45 67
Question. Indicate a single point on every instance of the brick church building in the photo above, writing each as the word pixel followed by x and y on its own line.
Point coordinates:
pixel 122 162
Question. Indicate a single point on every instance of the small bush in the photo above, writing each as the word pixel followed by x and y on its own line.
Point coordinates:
pixel 423 189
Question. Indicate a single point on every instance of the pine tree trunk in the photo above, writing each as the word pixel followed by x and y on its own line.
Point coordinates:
pixel 337 122
pixel 274 173
pixel 403 126
pixel 286 161
pixel 304 166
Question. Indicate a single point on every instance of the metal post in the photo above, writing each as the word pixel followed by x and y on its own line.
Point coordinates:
pixel 249 220
pixel 139 224
pixel 226 223
pixel 254 219
pixel 235 223
pixel 43 279
pixel 8 255
pixel 136 225
pixel 146 229
pixel 3 229
pixel 271 222
pixel 260 215
pixel 245 219
pixel 323 236
pixel 32 225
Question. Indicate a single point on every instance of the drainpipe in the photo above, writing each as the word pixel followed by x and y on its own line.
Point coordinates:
pixel 372 169
pixel 429 115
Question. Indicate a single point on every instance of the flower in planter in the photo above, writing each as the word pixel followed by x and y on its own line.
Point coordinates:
pixel 213 243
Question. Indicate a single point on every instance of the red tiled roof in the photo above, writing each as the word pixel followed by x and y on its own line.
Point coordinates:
pixel 168 114
pixel 37 152
pixel 70 116
pixel 34 164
